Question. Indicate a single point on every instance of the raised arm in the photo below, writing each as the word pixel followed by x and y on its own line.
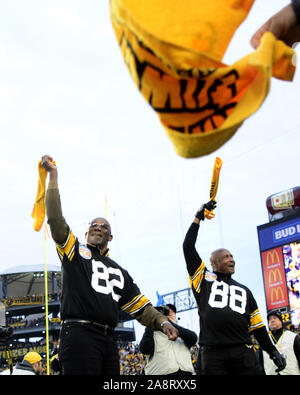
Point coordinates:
pixel 58 226
pixel 192 258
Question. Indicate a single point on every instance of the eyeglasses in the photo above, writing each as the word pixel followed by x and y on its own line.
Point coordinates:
pixel 97 225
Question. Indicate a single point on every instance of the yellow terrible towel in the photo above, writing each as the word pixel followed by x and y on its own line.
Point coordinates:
pixel 39 210
pixel 214 185
pixel 173 50
pixel 215 178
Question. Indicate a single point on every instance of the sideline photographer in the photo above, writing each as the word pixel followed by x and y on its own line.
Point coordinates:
pixel 164 357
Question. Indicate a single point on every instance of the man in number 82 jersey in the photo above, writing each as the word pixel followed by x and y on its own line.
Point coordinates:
pixel 94 290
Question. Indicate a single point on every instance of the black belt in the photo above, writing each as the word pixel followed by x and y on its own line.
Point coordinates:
pixel 106 329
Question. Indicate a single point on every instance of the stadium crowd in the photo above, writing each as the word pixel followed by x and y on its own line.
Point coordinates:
pixel 132 361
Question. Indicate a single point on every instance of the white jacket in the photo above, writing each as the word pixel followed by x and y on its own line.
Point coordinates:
pixel 285 346
pixel 169 356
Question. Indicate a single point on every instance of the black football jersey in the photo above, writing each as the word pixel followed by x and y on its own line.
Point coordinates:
pixel 94 287
pixel 227 309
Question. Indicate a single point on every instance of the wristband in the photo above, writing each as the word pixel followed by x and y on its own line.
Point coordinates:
pixel 162 324
pixel 200 213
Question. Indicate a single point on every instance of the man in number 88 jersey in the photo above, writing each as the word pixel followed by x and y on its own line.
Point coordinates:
pixel 227 309
pixel 94 289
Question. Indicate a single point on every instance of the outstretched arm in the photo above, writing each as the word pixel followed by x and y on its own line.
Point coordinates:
pixel 155 320
pixel 285 25
pixel 58 226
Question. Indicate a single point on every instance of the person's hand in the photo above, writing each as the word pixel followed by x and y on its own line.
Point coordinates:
pixel 50 166
pixel 279 360
pixel 169 330
pixel 283 25
pixel 48 163
pixel 210 206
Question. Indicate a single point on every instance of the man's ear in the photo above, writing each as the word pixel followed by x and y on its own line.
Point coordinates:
pixel 213 264
pixel 110 237
pixel 86 234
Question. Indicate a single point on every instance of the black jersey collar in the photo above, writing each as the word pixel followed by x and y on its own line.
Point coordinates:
pixel 95 249
pixel 224 276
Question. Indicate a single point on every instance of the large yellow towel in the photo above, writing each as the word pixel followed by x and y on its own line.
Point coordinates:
pixel 173 50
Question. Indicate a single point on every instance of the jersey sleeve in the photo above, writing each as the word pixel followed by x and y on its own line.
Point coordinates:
pixel 132 300
pixel 256 321
pixel 192 258
pixel 258 329
pixel 195 266
pixel 196 278
pixel 151 318
pixel 67 250
pixel 58 225
pixel 134 306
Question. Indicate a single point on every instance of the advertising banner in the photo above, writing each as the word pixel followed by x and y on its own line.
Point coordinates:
pixel 282 232
pixel 274 279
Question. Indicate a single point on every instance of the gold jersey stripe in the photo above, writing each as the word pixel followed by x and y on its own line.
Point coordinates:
pixel 127 305
pixel 136 304
pixel 68 248
pixel 255 320
pixel 196 279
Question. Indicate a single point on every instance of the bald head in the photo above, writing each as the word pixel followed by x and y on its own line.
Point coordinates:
pixel 215 255
pixel 222 261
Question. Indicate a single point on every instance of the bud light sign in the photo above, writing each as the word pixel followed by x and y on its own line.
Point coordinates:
pixel 286 232
pixel 281 232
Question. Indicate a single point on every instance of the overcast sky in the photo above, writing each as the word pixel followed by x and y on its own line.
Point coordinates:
pixel 65 91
